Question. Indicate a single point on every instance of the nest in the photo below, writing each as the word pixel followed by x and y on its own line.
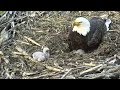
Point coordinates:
pixel 23 33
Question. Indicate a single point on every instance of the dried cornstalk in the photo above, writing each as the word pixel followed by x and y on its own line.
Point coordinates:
pixel 53 69
pixel 32 41
pixel 90 70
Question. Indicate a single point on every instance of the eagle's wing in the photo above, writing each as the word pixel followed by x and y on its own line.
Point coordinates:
pixel 98 28
pixel 96 39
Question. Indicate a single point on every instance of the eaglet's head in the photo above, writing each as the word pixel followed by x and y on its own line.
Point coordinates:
pixel 46 49
pixel 81 25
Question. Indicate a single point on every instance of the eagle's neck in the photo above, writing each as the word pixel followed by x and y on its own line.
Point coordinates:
pixel 82 30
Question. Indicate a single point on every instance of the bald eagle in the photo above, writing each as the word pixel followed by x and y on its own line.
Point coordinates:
pixel 87 34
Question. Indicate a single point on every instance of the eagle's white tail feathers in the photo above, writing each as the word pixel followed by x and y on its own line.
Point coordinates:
pixel 107 23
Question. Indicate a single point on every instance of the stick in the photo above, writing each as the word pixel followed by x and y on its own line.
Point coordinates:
pixel 44 75
pixel 11 20
pixel 40 13
pixel 17 25
pixel 29 39
pixel 40 76
pixel 29 74
pixel 113 31
pixel 22 42
pixel 52 68
pixel 90 70
pixel 71 70
pixel 66 73
pixel 4 15
pixel 24 53
pixel 21 50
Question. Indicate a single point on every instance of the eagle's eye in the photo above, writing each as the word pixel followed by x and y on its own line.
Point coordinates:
pixel 77 23
pixel 80 22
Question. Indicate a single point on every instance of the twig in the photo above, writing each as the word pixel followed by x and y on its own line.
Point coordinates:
pixel 13 25
pixel 66 73
pixel 40 13
pixel 8 76
pixel 3 35
pixel 29 39
pixel 11 20
pixel 108 72
pixel 53 69
pixel 22 42
pixel 21 50
pixel 17 53
pixel 40 76
pixel 17 25
pixel 71 70
pixel 29 74
pixel 89 64
pixel 104 74
pixel 4 15
pixel 90 70
pixel 1 53
pixel 6 60
pixel 44 75
pixel 24 53
pixel 94 76
pixel 114 31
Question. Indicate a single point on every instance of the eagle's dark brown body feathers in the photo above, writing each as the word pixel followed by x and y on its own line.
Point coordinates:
pixel 76 41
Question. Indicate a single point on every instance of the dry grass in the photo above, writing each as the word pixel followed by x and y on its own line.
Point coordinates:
pixel 49 28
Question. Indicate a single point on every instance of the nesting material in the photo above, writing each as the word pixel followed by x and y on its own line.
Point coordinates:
pixel 104 16
pixel 41 56
pixel 79 51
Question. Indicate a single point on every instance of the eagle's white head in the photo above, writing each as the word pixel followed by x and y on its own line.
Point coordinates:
pixel 81 25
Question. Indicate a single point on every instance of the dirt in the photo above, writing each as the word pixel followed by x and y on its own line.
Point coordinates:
pixel 50 29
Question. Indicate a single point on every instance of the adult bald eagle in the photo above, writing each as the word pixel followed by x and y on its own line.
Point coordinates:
pixel 87 34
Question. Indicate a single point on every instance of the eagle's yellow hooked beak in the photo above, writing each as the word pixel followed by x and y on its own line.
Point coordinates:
pixel 76 23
